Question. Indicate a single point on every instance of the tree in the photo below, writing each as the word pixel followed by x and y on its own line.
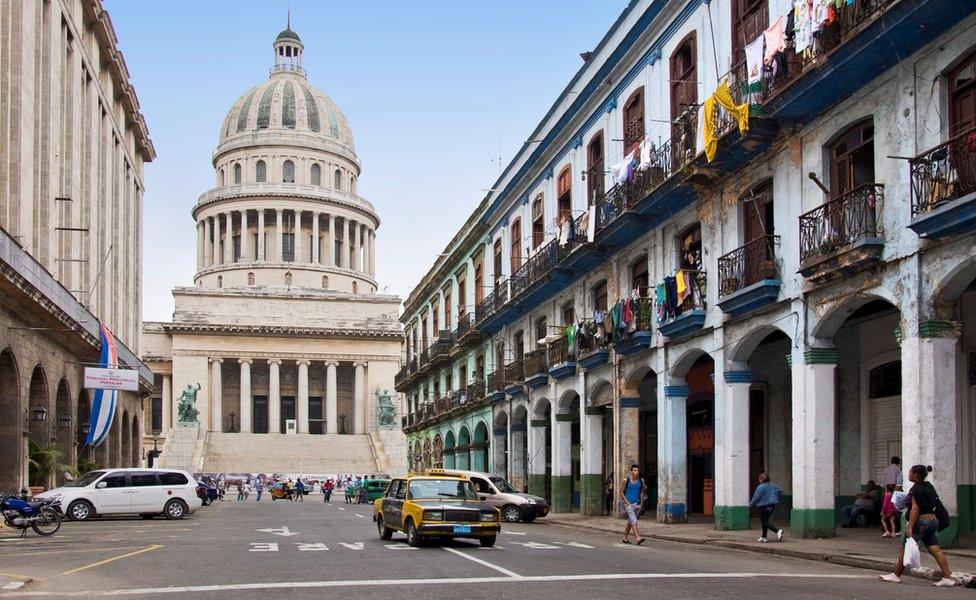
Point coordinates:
pixel 45 460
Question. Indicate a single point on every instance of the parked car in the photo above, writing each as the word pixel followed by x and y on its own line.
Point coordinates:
pixel 146 492
pixel 376 488
pixel 514 505
pixel 207 492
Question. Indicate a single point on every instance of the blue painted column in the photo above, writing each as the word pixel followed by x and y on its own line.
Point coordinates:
pixel 732 464
pixel 672 435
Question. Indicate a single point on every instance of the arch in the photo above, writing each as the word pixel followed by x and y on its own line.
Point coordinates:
pixel 520 415
pixel 316 174
pixel 828 324
pixel 600 392
pixel 501 419
pixel 464 437
pixel 11 422
pixel 288 278
pixel 288 172
pixel 126 451
pixel 223 179
pixel 426 460
pixel 261 171
pixel 237 172
pixel 686 361
pixel 136 449
pixel 564 195
pixel 743 348
pixel 480 433
pixel 540 408
pixel 337 179
pixel 947 291
pixel 566 401
pixel 37 395
pixel 63 408
pixel 634 378
pixel 437 451
pixel 82 414
pixel 355 287
pixel 448 452
pixel 325 282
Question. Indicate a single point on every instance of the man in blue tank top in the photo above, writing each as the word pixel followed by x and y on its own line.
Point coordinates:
pixel 632 495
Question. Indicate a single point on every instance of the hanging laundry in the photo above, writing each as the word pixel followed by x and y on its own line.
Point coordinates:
pixel 648 155
pixel 723 97
pixel 755 53
pixel 571 334
pixel 790 29
pixel 588 224
pixel 628 312
pixel 671 294
pixel 775 38
pixel 821 14
pixel 635 293
pixel 571 230
pixel 563 233
pixel 683 286
pixel 598 317
pixel 621 171
pixel 803 24
pixel 661 301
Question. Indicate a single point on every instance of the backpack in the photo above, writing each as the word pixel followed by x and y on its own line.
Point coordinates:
pixel 941 514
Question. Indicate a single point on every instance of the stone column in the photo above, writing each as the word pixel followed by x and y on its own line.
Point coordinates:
pixel 672 461
pixel 298 237
pixel 167 403
pixel 261 235
pixel 216 395
pixel 591 455
pixel 274 394
pixel 372 253
pixel 562 472
pixel 330 257
pixel 245 251
pixel 537 456
pixel 200 242
pixel 359 399
pixel 732 494
pixel 929 404
pixel 246 399
pixel 814 404
pixel 344 246
pixel 499 452
pixel 516 464
pixel 302 408
pixel 315 238
pixel 279 235
pixel 229 237
pixel 331 398
pixel 215 251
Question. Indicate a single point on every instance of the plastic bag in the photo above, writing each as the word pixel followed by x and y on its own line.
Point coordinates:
pixel 913 559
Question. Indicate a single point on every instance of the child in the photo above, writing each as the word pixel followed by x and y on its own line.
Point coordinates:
pixel 888 512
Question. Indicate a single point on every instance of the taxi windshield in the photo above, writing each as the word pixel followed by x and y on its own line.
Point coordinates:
pixel 451 489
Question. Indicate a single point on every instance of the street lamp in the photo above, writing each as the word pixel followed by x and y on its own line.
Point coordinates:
pixel 39 412
pixel 232 416
pixel 64 422
pixel 153 455
pixel 85 428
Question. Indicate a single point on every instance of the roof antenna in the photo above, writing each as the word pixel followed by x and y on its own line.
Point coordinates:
pixel 289 16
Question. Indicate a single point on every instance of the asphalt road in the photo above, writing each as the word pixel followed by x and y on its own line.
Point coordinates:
pixel 310 549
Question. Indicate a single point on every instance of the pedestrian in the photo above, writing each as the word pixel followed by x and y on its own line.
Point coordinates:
pixel 765 498
pixel 893 475
pixel 259 488
pixel 923 526
pixel 247 490
pixel 221 489
pixel 300 491
pixel 632 494
pixel 240 491
pixel 608 494
pixel 888 512
pixel 866 503
pixel 327 491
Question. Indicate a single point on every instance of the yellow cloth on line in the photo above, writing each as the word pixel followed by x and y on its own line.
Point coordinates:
pixel 723 97
pixel 682 288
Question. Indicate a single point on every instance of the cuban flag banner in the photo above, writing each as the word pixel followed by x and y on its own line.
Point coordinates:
pixel 103 403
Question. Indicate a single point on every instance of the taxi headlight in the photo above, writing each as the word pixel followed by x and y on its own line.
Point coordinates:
pixel 433 515
pixel 489 516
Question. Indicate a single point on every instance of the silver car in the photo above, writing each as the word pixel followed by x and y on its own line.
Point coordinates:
pixel 514 505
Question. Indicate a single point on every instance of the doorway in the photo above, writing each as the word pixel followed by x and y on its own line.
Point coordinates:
pixel 316 422
pixel 260 414
pixel 287 412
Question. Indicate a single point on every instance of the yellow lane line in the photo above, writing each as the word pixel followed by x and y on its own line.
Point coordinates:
pixel 79 551
pixel 15 575
pixel 114 558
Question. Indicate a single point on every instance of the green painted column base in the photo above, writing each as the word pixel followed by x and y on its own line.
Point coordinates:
pixel 591 494
pixel 812 523
pixel 731 518
pixel 562 498
pixel 537 485
pixel 966 500
pixel 949 537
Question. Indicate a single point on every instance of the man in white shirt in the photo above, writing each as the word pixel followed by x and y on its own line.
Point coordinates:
pixel 893 474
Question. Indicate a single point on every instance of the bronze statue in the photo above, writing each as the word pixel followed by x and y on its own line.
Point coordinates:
pixel 186 408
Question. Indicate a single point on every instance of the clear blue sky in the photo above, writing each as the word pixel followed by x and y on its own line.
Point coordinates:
pixel 431 90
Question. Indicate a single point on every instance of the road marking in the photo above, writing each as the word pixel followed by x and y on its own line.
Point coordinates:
pixel 149 548
pixel 485 563
pixel 78 551
pixel 263 547
pixel 356 546
pixel 318 547
pixel 284 531
pixel 537 545
pixel 513 532
pixel 400 546
pixel 574 544
pixel 275 585
pixel 340 508
pixel 13 585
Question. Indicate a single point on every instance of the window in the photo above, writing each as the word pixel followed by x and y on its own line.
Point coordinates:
pixel 634 121
pixel 595 166
pixel 852 159
pixel 538 222
pixel 638 274
pixel 288 172
pixel 172 479
pixel 515 251
pixel 962 97
pixel 288 279
pixel 261 171
pixel 237 173
pixel 325 282
pixel 157 414
pixel 684 100
pixel 564 196
pixel 391 491
pixel 250 279
pixel 423 332
pixel 288 247
pixel 541 330
pixel 115 480
pixel 481 485
pixel 447 308
pixel 569 313
pixel 316 175
pixel 600 296
pixel 885 381
pixel 222 181
pixel 749 19
pixel 143 479
pixel 479 283
pixel 690 248
pixel 435 319
pixel 497 259
pixel 462 299
pixel 518 344
pixel 758 207
pixel 237 247
pixel 337 180
pixel 352 184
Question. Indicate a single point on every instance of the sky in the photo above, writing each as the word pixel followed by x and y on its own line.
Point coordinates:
pixel 435 92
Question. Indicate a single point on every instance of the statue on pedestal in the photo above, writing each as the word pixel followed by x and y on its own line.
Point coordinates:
pixel 385 412
pixel 186 408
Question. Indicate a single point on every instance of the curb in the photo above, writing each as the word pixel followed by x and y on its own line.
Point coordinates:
pixel 965 579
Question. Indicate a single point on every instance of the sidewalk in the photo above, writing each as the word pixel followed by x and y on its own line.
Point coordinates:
pixel 862 548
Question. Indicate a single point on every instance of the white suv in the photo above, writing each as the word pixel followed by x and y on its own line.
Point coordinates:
pixel 146 492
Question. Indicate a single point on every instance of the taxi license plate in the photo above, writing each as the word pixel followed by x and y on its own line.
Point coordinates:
pixel 459 529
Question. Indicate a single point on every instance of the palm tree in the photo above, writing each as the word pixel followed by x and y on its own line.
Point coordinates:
pixel 43 461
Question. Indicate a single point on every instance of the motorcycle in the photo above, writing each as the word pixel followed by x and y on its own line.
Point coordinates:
pixel 44 516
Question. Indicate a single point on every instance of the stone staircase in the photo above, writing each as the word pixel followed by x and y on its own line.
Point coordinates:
pixel 391 444
pixel 293 453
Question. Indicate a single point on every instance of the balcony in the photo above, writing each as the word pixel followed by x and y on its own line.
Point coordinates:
pixel 496 385
pixel 842 237
pixel 537 368
pixel 476 392
pixel 490 304
pixel 424 360
pixel 748 277
pixel 944 188
pixel 466 332
pixel 688 315
pixel 561 358
pixel 440 350
pixel 512 376
pixel 400 379
pixel 641 337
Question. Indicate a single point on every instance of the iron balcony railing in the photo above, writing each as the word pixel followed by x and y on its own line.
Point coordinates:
pixel 944 173
pixel 465 325
pixel 842 221
pixel 424 357
pixel 514 372
pixel 442 345
pixel 476 391
pixel 442 405
pixel 492 302
pixel 694 298
pixel 748 264
pixel 558 351
pixel 401 375
pixel 412 366
pixel 536 362
pixel 496 380
pixel 535 268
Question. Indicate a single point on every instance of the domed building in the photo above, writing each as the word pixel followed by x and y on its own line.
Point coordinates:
pixel 284 343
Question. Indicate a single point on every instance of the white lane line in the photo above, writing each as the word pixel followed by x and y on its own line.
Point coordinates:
pixel 360 516
pixel 340 508
pixel 272 585
pixel 485 563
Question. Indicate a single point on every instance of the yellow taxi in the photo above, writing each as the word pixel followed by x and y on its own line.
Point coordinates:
pixel 435 505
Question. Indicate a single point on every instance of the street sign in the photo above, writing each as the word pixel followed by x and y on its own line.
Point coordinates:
pixel 111 379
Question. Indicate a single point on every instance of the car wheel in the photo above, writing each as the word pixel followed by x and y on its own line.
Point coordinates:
pixel 385 532
pixel 512 513
pixel 147 516
pixel 488 541
pixel 81 510
pixel 413 536
pixel 174 509
pixel 528 518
